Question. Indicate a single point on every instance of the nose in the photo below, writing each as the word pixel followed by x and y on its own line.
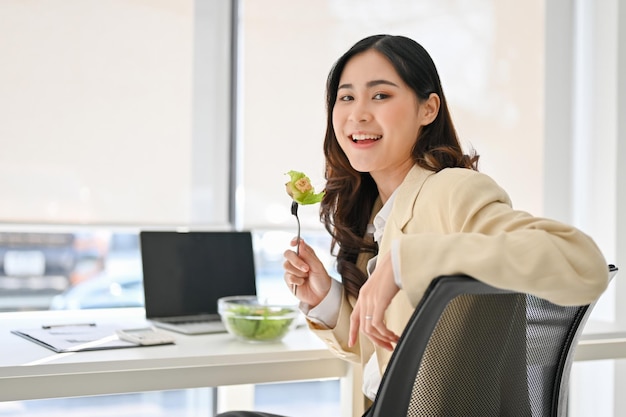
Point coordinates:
pixel 360 112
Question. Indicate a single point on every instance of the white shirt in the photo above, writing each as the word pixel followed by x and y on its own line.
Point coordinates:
pixel 327 311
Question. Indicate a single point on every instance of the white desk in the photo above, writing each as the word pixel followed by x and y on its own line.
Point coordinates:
pixel 29 371
pixel 601 341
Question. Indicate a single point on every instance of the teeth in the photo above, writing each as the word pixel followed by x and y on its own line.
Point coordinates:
pixel 356 138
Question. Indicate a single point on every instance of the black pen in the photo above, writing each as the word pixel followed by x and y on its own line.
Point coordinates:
pixel 54 326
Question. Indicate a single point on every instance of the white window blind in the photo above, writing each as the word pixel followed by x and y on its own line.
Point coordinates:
pixel 114 112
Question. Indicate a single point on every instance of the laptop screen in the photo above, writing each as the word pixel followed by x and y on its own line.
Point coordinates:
pixel 184 273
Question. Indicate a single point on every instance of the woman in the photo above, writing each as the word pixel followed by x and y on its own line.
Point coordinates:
pixel 404 205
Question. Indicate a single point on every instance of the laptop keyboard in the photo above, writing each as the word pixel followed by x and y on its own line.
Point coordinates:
pixel 193 320
pixel 192 325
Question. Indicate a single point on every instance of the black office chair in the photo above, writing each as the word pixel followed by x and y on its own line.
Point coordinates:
pixel 473 350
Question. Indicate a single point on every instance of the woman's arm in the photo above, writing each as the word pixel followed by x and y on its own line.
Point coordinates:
pixel 482 236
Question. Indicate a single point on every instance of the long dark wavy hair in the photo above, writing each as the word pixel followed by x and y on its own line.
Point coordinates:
pixel 350 195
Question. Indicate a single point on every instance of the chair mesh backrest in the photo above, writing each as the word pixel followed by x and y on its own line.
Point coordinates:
pixel 484 352
pixel 493 355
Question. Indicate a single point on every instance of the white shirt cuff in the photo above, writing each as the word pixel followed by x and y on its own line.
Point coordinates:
pixel 326 312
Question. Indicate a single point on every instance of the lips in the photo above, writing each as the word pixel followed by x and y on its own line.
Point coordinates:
pixel 364 137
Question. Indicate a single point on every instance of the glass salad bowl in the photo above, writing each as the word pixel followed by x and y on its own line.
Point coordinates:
pixel 252 320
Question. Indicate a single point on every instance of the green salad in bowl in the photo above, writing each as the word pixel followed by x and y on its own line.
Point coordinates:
pixel 249 319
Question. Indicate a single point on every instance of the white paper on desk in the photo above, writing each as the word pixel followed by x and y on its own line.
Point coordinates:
pixel 76 338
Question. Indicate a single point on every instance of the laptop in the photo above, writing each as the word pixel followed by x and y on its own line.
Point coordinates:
pixel 185 273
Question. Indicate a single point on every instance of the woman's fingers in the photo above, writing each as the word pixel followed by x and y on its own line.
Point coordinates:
pixel 368 315
pixel 298 261
pixel 306 271
pixel 380 334
pixel 375 330
pixel 373 326
pixel 294 275
pixel 355 324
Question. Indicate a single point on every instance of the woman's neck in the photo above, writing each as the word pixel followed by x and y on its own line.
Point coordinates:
pixel 388 182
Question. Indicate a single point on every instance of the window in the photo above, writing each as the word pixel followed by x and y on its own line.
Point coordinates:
pixel 115 112
pixel 116 118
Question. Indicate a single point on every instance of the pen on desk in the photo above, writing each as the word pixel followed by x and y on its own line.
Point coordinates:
pixel 54 326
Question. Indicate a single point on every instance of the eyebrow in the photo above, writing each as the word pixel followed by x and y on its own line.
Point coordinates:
pixel 369 84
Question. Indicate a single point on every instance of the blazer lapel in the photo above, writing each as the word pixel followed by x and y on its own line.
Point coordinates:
pixel 402 211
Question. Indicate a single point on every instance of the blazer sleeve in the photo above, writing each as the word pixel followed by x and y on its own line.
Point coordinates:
pixel 336 338
pixel 478 233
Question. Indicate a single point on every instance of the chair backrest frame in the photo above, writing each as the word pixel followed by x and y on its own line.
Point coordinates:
pixel 413 341
pixel 407 356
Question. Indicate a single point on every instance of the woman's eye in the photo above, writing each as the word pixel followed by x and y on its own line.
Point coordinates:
pixel 345 98
pixel 380 96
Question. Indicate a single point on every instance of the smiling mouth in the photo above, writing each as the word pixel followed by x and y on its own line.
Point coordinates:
pixel 363 138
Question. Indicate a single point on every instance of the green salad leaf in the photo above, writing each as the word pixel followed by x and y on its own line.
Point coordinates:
pixel 301 190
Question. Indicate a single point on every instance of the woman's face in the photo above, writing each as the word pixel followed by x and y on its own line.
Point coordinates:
pixel 377 117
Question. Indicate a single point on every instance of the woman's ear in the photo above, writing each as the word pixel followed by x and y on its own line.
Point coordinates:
pixel 430 109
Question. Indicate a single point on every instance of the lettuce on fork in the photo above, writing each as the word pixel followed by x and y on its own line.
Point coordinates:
pixel 301 190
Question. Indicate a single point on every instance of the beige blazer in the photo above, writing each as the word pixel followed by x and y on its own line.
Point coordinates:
pixel 461 221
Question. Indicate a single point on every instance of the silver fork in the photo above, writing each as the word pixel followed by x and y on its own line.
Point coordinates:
pixel 294 211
